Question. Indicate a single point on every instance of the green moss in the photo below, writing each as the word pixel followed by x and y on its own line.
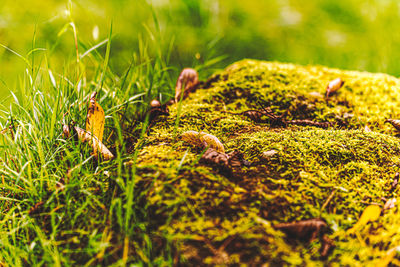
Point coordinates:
pixel 213 218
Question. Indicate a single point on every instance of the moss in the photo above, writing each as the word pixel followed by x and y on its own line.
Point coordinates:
pixel 213 218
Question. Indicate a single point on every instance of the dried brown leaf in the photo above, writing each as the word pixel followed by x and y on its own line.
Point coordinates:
pixel 257 116
pixel 395 183
pixel 215 158
pixel 35 209
pixel 269 154
pixel 326 246
pixel 395 123
pixel 306 230
pixel 9 129
pixel 203 140
pixel 226 163
pixel 98 146
pixel 4 131
pixel 310 123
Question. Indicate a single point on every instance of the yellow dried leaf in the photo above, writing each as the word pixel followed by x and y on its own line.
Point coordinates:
pixel 95 118
pixel 98 146
pixel 390 254
pixel 191 137
pixel 370 214
pixel 203 139
pixel 212 141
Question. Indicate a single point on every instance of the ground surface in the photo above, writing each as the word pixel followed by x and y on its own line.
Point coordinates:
pixel 164 201
pixel 216 217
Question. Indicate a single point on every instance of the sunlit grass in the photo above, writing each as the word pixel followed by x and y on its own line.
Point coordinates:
pixel 58 203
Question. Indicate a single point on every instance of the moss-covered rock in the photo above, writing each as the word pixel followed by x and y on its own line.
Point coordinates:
pixel 215 218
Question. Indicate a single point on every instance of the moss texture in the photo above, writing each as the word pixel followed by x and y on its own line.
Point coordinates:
pixel 212 218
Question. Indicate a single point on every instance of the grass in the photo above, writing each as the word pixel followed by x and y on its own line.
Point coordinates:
pixel 155 204
pixel 60 206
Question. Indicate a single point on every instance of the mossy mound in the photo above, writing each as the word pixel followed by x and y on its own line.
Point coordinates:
pixel 215 218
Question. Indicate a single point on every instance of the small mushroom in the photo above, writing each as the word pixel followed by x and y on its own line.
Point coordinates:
pixel 66 132
pixel 156 110
pixel 334 86
pixel 155 103
pixel 186 83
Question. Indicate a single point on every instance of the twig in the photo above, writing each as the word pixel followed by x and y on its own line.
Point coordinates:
pixel 328 200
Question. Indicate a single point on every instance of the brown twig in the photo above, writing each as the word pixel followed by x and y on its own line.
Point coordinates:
pixel 328 200
pixel 311 123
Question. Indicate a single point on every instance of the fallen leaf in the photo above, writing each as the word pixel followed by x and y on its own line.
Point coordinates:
pixel 98 146
pixel 394 123
pixel 370 214
pixel 192 137
pixel 4 131
pixel 390 254
pixel 186 83
pixel 257 116
pixel 203 140
pixel 95 118
pixel 211 141
pixel 35 209
pixel 10 129
pixel 306 230
pixel 326 246
pixel 236 159
pixel 310 123
pixel 395 183
pixel 224 162
pixel 211 156
pixel 334 86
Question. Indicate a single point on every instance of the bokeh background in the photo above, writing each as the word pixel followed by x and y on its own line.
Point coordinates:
pixel 349 34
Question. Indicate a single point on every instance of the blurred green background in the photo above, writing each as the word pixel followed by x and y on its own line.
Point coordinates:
pixel 349 34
